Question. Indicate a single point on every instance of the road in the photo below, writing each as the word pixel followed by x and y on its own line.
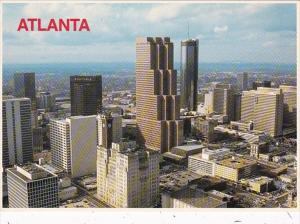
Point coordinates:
pixel 91 197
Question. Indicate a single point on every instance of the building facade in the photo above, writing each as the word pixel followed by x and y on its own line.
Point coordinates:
pixel 31 186
pixel 109 129
pixel 16 131
pixel 86 95
pixel 157 102
pixel 127 177
pixel 289 104
pixel 74 144
pixel 189 74
pixel 242 80
pixel 264 107
pixel 46 101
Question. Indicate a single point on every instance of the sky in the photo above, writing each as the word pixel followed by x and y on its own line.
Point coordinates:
pixel 227 33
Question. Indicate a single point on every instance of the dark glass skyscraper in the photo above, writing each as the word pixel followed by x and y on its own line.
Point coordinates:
pixel 24 86
pixel 189 74
pixel 86 95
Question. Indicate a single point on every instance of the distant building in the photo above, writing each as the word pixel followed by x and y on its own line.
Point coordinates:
pixel 237 106
pixel 109 129
pixel 157 102
pixel 128 177
pixel 257 84
pixel 189 74
pixel 16 131
pixel 242 80
pixel 289 104
pixel 46 101
pixel 74 144
pixel 264 107
pixel 31 186
pixel 205 128
pixel 220 100
pixel 37 139
pixel 86 95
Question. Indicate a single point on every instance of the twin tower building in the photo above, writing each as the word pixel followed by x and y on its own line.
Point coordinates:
pixel 157 103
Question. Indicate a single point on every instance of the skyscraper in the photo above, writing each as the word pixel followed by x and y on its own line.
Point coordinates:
pixel 74 144
pixel 17 131
pixel 86 95
pixel 24 86
pixel 189 74
pixel 264 107
pixel 109 129
pixel 220 99
pixel 157 105
pixel 242 80
pixel 289 104
pixel 127 177
pixel 31 186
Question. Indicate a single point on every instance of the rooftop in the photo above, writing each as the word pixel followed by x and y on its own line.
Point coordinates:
pixel 236 162
pixel 189 147
pixel 197 198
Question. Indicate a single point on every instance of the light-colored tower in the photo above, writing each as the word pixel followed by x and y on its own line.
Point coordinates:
pixel 220 99
pixel 74 144
pixel 127 177
pixel 109 129
pixel 289 104
pixel 16 131
pixel 189 74
pixel 242 80
pixel 157 105
pixel 264 107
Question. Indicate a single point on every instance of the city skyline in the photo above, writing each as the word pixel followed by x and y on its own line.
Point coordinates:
pixel 226 32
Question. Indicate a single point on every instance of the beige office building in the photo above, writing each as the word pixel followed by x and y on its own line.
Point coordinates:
pixel 127 177
pixel 289 104
pixel 220 100
pixel 74 144
pixel 157 102
pixel 264 107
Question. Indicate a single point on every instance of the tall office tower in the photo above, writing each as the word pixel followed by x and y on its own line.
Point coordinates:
pixel 242 80
pixel 37 139
pixel 31 186
pixel 289 104
pixel 45 100
pixel 237 106
pixel 220 99
pixel 74 144
pixel 264 107
pixel 128 177
pixel 86 95
pixel 189 74
pixel 24 86
pixel 157 105
pixel 16 131
pixel 109 129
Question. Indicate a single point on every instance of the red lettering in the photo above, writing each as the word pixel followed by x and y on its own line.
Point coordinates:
pixel 40 28
pixel 22 25
pixel 32 20
pixel 52 25
pixel 74 23
pixel 84 25
pixel 63 24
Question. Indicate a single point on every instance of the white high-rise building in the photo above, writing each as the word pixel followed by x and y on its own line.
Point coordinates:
pixel 16 131
pixel 127 177
pixel 74 144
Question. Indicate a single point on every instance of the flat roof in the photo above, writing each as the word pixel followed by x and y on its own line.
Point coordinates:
pixel 197 198
pixel 236 162
pixel 189 147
